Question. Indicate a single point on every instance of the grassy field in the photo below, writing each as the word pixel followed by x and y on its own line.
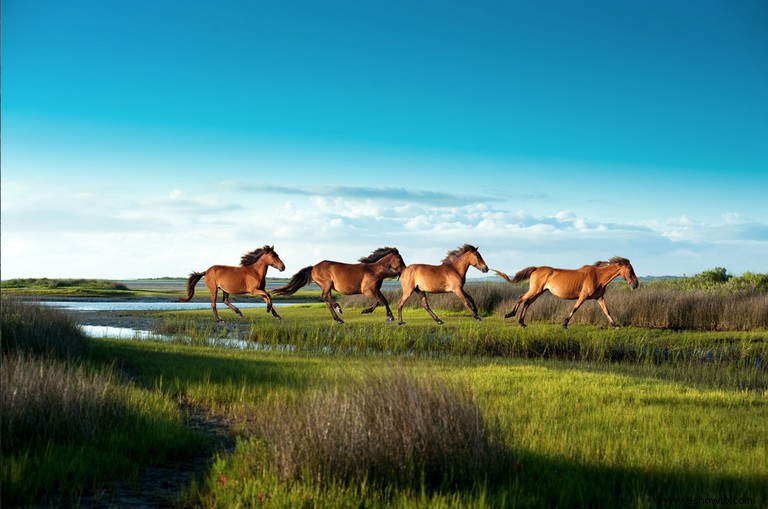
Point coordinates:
pixel 368 414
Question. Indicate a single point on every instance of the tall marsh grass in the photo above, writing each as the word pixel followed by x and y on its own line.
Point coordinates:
pixel 67 423
pixel 50 399
pixel 31 328
pixel 653 305
pixel 393 429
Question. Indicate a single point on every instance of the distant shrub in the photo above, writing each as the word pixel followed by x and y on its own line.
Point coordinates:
pixel 52 284
pixel 36 329
pixel 393 429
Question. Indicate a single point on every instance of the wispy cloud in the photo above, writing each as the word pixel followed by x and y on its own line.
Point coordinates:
pixel 392 194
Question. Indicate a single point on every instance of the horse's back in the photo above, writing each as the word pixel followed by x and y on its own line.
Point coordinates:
pixel 563 283
pixel 429 278
pixel 346 278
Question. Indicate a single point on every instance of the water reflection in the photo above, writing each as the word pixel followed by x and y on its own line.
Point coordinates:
pixel 104 331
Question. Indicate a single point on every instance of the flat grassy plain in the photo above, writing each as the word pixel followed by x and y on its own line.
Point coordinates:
pixel 584 417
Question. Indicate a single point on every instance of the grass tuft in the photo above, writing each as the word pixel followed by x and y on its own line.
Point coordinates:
pixel 31 328
pixel 393 429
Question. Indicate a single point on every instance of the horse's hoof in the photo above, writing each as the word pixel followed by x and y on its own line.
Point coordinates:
pixel 440 322
pixel 390 319
pixel 401 322
pixel 523 325
pixel 509 315
pixel 478 319
pixel 616 326
pixel 339 321
pixel 565 326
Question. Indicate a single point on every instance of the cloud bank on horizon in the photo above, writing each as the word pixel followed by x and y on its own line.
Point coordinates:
pixel 172 234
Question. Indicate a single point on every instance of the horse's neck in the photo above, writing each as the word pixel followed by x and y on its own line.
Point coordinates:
pixel 259 267
pixel 461 265
pixel 382 264
pixel 608 273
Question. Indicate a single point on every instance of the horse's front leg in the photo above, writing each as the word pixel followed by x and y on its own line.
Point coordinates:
pixel 469 302
pixel 613 323
pixel 268 300
pixel 423 297
pixel 576 307
pixel 378 298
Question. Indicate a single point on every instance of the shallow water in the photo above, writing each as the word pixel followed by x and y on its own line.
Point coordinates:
pixel 142 305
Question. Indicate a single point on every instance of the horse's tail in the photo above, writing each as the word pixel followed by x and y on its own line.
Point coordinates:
pixel 523 274
pixel 191 282
pixel 520 276
pixel 299 280
pixel 503 276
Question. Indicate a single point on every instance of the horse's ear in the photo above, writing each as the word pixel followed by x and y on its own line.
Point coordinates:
pixel 272 248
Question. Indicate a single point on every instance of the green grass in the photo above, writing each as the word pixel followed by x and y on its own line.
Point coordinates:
pixel 600 435
pixel 587 417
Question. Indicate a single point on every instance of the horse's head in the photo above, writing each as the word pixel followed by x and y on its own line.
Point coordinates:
pixel 396 263
pixel 273 260
pixel 477 260
pixel 626 271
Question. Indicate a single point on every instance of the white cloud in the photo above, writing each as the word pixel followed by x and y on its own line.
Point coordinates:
pixel 178 230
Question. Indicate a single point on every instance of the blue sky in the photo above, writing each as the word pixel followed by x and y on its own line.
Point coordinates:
pixel 148 139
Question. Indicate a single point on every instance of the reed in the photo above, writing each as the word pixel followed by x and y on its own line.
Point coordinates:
pixel 392 429
pixel 67 423
pixel 31 328
pixel 730 306
pixel 48 399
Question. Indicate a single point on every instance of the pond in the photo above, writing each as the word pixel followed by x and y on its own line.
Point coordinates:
pixel 107 331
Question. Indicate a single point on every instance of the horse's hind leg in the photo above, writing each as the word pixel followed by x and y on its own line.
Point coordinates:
pixel 406 294
pixel 423 297
pixel 332 306
pixel 225 300
pixel 531 295
pixel 214 295
pixel 526 304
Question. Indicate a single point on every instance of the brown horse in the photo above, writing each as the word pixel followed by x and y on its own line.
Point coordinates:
pixel 250 277
pixel 449 276
pixel 364 278
pixel 588 282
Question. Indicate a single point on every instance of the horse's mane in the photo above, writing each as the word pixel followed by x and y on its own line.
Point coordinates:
pixel 378 254
pixel 616 260
pixel 253 256
pixel 454 255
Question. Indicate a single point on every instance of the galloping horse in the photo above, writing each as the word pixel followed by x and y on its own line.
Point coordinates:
pixel 250 277
pixel 364 278
pixel 449 276
pixel 588 282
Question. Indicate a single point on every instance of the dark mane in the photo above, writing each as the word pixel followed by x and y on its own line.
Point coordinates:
pixel 378 254
pixel 452 256
pixel 253 256
pixel 616 260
